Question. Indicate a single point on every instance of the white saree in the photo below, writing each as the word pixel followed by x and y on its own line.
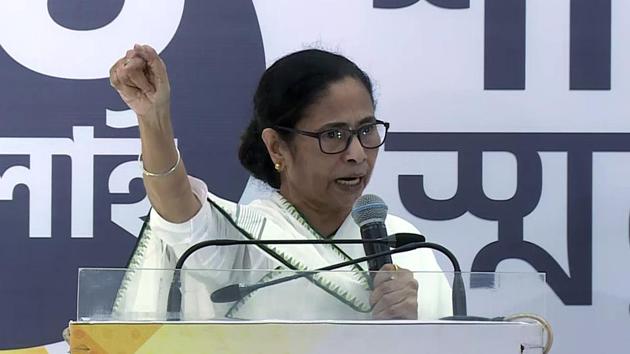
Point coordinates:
pixel 324 296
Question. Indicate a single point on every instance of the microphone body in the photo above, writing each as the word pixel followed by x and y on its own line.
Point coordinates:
pixel 372 231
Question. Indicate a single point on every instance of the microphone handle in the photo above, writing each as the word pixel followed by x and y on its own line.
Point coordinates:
pixel 372 231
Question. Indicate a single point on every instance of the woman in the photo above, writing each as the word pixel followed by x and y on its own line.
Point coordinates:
pixel 314 138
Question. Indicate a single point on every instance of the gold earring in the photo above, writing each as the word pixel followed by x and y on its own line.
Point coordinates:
pixel 278 166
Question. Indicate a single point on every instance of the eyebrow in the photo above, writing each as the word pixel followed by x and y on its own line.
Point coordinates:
pixel 368 119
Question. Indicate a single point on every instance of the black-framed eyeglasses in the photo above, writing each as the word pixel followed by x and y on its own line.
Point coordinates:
pixel 336 140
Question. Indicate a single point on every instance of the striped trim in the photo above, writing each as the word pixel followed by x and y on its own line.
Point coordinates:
pixel 358 272
pixel 326 285
pixel 134 261
pixel 249 224
pixel 293 264
pixel 239 304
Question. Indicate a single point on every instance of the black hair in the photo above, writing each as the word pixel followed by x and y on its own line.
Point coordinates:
pixel 285 91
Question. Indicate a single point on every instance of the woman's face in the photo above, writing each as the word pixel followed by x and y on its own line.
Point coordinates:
pixel 330 182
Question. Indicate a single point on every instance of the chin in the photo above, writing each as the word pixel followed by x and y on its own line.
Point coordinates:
pixel 348 200
pixel 345 195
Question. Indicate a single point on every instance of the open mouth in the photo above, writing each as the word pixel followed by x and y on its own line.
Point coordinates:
pixel 349 181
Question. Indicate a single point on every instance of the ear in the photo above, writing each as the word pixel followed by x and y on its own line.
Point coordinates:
pixel 276 146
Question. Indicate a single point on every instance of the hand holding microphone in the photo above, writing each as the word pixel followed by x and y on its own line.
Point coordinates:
pixel 395 294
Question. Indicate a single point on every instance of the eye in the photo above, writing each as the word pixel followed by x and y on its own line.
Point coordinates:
pixel 333 134
pixel 366 129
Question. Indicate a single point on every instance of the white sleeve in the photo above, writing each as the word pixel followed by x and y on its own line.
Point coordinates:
pixel 207 224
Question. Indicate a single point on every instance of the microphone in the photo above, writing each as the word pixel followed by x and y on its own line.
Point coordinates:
pixel 175 296
pixel 369 212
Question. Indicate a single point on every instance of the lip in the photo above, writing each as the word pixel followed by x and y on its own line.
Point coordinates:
pixel 350 177
pixel 356 184
pixel 358 175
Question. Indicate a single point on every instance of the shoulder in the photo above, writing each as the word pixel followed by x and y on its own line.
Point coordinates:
pixel 200 190
pixel 396 224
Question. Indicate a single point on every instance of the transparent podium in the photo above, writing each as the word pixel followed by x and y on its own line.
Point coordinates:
pixel 273 311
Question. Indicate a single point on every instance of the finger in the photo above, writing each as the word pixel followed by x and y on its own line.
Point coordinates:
pixel 125 91
pixel 390 286
pixel 389 271
pixel 121 62
pixel 145 52
pixel 157 68
pixel 132 73
pixel 384 274
pixel 382 290
pixel 113 78
pixel 118 73
pixel 399 304
pixel 135 71
pixel 120 80
pixel 396 305
pixel 122 75
pixel 132 53
pixel 405 310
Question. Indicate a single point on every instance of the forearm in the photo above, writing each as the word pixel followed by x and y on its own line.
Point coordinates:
pixel 170 195
pixel 141 80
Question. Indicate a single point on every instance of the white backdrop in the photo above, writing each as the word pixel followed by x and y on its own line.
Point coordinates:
pixel 428 65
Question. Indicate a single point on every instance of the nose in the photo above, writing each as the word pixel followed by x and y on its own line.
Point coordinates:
pixel 355 151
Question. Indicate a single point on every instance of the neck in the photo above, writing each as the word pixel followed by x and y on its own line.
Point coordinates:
pixel 320 217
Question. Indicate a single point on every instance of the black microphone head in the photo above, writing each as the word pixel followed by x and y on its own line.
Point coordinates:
pixel 369 208
pixel 227 294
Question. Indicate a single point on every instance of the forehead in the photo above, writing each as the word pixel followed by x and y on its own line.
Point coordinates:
pixel 346 102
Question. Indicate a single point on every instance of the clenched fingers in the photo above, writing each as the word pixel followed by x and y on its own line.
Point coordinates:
pixel 392 282
pixel 156 69
pixel 400 304
pixel 395 294
pixel 135 70
pixel 131 71
pixel 121 82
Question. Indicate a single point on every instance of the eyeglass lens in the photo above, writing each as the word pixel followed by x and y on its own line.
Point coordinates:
pixel 336 140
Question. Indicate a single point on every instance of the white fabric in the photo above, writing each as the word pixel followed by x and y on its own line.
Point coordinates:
pixel 273 218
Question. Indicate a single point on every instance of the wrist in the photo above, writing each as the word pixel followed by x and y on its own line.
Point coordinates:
pixel 158 120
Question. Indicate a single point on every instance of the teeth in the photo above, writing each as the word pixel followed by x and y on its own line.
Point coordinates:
pixel 349 182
